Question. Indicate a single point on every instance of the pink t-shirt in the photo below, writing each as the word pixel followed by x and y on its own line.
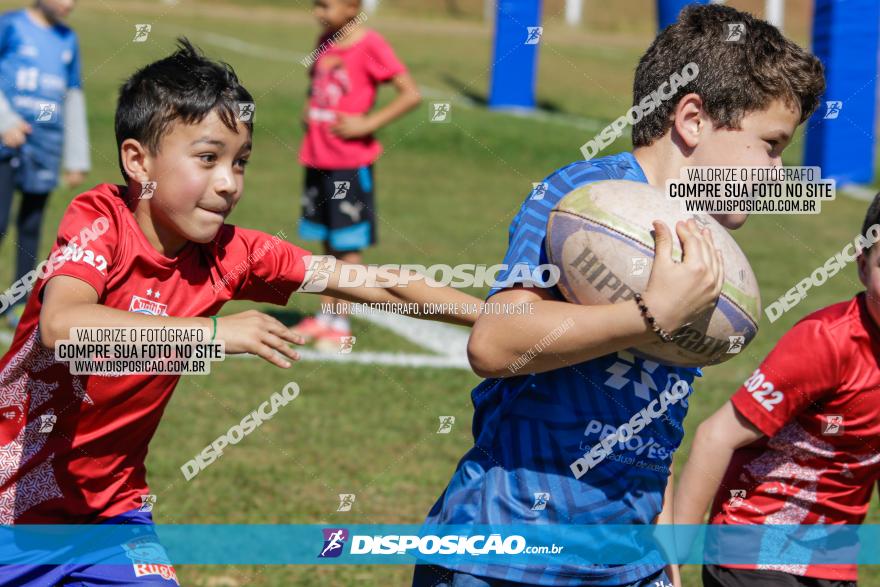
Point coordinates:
pixel 344 80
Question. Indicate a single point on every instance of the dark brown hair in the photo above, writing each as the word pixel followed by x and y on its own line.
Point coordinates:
pixel 186 86
pixel 735 77
pixel 872 217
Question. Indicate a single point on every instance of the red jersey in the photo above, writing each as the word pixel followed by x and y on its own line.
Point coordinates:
pixel 72 448
pixel 344 80
pixel 817 398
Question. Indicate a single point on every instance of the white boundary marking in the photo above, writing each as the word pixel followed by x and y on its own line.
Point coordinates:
pixel 858 192
pixel 378 358
pixel 261 51
pixel 453 356
pixel 443 339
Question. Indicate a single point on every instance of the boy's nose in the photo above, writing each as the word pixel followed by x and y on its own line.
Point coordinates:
pixel 225 183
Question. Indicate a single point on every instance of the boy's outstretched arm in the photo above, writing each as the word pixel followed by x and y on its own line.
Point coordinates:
pixel 408 97
pixel 417 298
pixel 716 439
pixel 676 292
pixel 70 303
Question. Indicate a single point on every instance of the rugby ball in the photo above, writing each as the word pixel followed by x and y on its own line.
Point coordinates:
pixel 601 238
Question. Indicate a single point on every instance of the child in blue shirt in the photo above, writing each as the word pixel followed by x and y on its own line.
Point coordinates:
pixel 42 122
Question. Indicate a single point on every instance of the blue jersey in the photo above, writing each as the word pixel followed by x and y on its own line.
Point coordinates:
pixel 538 457
pixel 38 65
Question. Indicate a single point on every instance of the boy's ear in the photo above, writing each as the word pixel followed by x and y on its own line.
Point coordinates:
pixel 862 264
pixel 689 121
pixel 135 160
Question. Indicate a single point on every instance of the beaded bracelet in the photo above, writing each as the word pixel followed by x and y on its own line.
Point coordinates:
pixel 646 314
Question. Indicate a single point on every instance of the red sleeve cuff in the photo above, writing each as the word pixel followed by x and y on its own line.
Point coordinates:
pixel 82 272
pixel 277 287
pixel 757 416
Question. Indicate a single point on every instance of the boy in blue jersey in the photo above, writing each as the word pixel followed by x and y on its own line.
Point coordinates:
pixel 533 425
pixel 42 121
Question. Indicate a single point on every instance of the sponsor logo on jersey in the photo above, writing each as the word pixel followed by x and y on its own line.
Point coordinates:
pixel 141 305
pixel 144 553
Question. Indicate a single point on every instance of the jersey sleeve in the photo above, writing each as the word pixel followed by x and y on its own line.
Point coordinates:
pixel 74 73
pixel 382 63
pixel 272 268
pixel 87 240
pixel 801 369
pixel 526 250
pixel 5 33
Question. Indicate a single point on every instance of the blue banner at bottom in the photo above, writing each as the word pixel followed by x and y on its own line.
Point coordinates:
pixel 539 545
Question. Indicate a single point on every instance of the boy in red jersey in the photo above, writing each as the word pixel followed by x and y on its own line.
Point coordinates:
pixel 339 149
pixel 798 442
pixel 155 253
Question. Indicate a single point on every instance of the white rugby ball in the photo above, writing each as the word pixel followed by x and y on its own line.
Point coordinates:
pixel 601 238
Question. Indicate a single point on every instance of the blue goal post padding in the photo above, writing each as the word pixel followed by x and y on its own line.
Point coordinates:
pixel 840 135
pixel 667 11
pixel 515 60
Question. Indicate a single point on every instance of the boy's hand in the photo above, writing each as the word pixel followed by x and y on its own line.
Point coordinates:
pixel 16 136
pixel 678 293
pixel 353 127
pixel 74 178
pixel 258 334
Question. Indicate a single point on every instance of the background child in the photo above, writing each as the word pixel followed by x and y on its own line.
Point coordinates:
pixel 798 442
pixel 339 149
pixel 42 121
pixel 530 426
pixel 74 446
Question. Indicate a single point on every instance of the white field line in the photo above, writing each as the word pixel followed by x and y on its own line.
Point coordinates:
pixel 249 49
pixel 377 358
pixel 858 192
pixel 446 360
pixel 443 339
pixel 263 52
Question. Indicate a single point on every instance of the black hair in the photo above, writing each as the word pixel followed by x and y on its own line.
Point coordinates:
pixel 186 86
pixel 872 217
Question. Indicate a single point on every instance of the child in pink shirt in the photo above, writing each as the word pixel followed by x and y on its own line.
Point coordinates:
pixel 339 149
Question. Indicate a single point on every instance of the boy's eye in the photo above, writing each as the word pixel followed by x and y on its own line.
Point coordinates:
pixel 242 162
pixel 208 157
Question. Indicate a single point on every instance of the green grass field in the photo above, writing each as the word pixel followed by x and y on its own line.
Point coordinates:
pixel 447 193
